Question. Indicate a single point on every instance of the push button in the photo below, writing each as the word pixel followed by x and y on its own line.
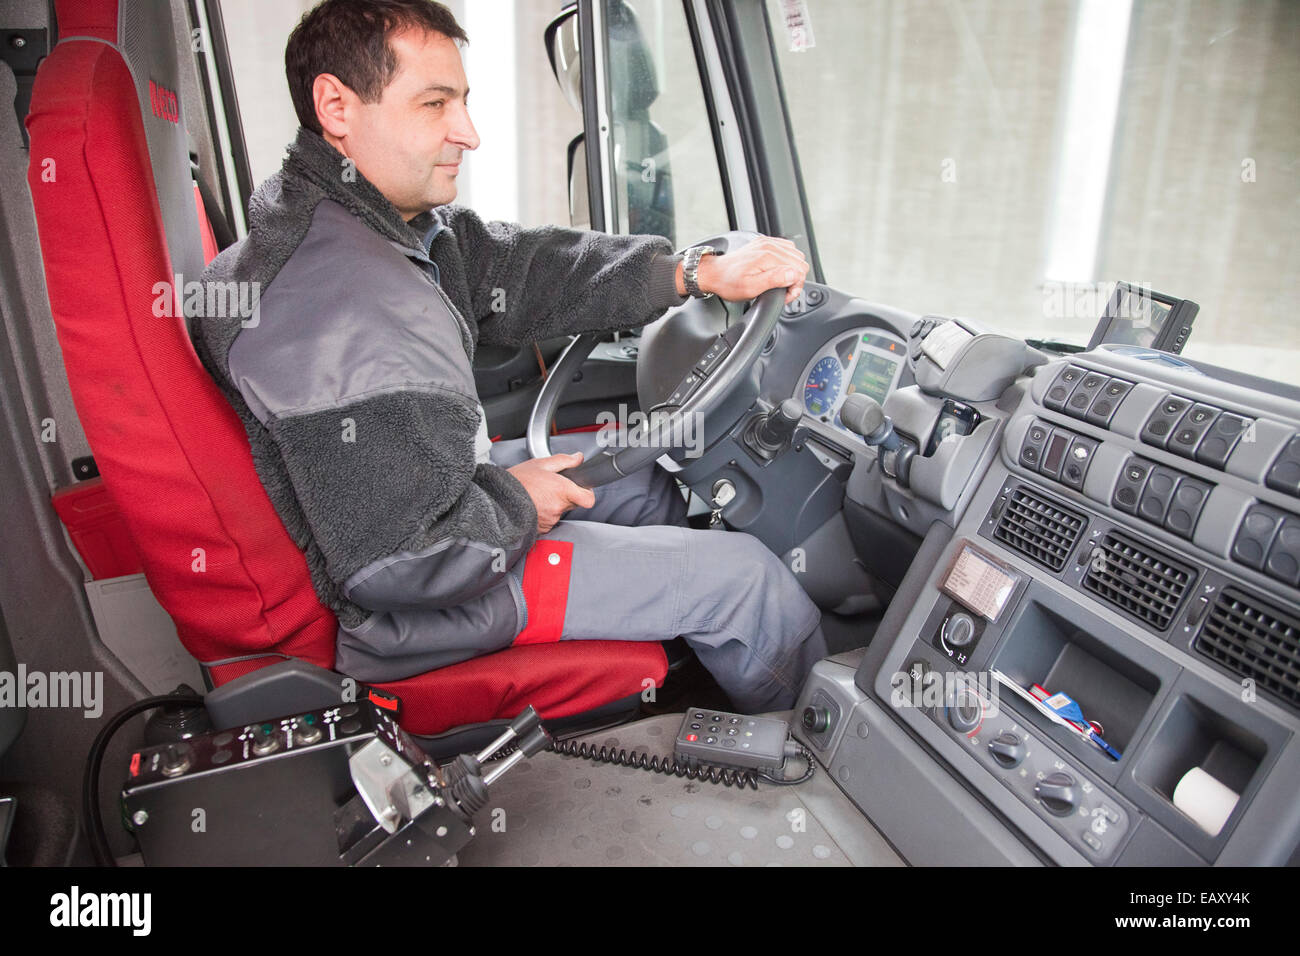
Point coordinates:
pixel 1284 476
pixel 1255 536
pixel 684 391
pixel 1221 439
pixel 1283 560
pixel 1107 401
pixel 1132 480
pixel 1185 508
pixel 1081 398
pixel 1161 424
pixel 1159 492
pixel 1077 460
pixel 1059 392
pixel 1031 452
pixel 1191 428
pixel 709 361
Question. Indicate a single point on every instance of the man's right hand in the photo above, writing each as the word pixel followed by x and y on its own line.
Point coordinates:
pixel 552 493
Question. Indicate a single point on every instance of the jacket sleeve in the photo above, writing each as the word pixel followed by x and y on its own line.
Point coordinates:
pixel 527 285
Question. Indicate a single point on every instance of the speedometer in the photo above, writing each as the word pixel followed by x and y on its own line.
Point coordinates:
pixel 823 386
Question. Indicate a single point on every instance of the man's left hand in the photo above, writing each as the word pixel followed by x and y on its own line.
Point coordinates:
pixel 761 264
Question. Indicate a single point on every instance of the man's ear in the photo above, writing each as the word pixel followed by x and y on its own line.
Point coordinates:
pixel 332 100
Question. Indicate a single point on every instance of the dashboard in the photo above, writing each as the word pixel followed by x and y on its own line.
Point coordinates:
pixel 1106 529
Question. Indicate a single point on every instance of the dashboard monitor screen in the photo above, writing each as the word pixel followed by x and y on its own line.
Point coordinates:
pixel 874 375
pixel 1145 318
pixel 1141 318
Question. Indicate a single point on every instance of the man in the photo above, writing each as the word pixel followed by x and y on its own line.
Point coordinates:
pixel 356 387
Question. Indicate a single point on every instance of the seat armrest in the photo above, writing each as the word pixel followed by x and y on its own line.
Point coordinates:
pixel 286 687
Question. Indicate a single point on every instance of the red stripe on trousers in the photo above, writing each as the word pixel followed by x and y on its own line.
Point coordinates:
pixel 546 591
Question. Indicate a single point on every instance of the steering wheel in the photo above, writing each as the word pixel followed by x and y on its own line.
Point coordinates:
pixel 703 388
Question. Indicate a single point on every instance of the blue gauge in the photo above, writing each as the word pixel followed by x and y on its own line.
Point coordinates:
pixel 823 386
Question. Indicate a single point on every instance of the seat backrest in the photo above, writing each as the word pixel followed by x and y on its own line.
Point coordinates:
pixel 114 199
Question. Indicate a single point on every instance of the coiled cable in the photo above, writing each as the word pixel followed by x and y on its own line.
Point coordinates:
pixel 654 764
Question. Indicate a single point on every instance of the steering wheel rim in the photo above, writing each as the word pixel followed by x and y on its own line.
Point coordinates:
pixel 655 438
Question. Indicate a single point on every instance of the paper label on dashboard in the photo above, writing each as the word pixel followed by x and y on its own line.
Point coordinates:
pixel 798 25
pixel 943 344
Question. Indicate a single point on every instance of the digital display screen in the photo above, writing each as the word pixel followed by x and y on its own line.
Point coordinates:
pixel 978 583
pixel 1138 320
pixel 874 375
pixel 1055 453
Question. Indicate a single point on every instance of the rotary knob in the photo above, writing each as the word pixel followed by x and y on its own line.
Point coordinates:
pixel 1056 793
pixel 816 719
pixel 966 712
pixel 959 630
pixel 1007 749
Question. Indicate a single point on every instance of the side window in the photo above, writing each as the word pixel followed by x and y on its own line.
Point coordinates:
pixel 518 174
pixel 665 166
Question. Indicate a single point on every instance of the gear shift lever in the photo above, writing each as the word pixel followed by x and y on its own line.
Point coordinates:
pixel 862 414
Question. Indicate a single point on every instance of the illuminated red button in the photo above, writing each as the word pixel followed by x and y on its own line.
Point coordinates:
pixel 692 737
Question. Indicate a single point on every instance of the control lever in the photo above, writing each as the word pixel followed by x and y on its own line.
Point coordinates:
pixel 521 726
pixel 769 434
pixel 405 791
pixel 863 415
pixel 534 743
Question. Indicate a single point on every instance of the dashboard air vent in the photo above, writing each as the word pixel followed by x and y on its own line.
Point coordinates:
pixel 1255 640
pixel 1039 528
pixel 1137 579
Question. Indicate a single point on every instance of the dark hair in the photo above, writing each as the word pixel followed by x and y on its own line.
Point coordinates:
pixel 349 38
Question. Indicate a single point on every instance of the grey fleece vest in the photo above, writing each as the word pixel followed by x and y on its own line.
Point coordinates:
pixel 355 385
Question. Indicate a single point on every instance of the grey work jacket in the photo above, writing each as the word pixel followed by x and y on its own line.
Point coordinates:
pixel 355 384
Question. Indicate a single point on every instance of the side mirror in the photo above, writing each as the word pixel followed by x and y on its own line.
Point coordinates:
pixel 566 59
pixel 642 187
pixel 579 203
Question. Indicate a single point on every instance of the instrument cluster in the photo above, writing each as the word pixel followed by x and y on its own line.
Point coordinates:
pixel 866 360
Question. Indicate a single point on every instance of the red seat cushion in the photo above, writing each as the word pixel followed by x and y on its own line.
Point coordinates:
pixel 171 450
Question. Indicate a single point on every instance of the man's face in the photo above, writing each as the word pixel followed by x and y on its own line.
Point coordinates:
pixel 410 143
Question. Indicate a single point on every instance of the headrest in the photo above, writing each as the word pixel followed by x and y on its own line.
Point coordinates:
pixel 144 33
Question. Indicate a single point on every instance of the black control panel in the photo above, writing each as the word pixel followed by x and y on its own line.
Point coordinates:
pixel 1160 495
pixel 1268 540
pixel 1195 430
pixel 1086 395
pixel 1057 453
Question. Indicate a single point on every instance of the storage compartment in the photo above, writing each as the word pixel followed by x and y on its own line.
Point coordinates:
pixel 1227 739
pixel 1195 736
pixel 1056 644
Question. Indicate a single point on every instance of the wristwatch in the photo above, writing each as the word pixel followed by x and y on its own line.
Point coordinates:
pixel 691 268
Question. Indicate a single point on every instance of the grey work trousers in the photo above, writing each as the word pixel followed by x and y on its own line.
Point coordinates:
pixel 640 573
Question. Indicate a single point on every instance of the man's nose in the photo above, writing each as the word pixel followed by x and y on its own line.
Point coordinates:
pixel 463 133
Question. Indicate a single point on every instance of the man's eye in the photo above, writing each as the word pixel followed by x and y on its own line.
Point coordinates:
pixel 438 103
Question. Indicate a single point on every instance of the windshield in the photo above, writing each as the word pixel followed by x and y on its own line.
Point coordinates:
pixel 1009 160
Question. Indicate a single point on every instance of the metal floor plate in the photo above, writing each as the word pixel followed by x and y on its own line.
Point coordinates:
pixel 564 811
